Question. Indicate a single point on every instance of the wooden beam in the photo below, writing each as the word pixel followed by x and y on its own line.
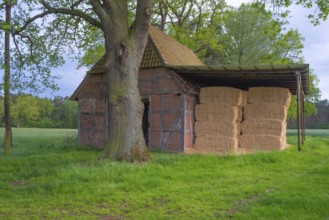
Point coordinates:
pixel 298 109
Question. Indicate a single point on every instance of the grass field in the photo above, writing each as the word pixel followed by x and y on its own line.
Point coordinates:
pixel 48 176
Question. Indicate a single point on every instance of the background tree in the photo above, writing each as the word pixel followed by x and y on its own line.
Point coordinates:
pixel 192 22
pixel 26 64
pixel 32 111
pixel 45 109
pixel 70 113
pixel 251 35
pixel 25 110
pixel 321 119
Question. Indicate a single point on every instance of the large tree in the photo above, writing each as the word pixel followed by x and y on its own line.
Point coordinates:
pixel 72 22
pixel 25 110
pixel 124 48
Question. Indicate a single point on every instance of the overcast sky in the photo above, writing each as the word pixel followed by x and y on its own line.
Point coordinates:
pixel 316 53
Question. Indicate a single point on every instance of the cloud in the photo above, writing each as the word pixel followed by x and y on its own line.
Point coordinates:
pixel 70 78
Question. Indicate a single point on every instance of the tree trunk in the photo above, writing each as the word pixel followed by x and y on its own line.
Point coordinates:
pixel 124 51
pixel 8 132
pixel 125 139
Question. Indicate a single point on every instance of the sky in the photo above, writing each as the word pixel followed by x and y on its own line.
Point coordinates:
pixel 316 53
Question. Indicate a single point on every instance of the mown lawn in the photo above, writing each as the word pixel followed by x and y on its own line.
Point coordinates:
pixel 48 176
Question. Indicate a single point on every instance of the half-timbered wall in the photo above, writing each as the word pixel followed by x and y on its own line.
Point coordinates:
pixel 170 115
pixel 171 122
pixel 157 81
pixel 92 121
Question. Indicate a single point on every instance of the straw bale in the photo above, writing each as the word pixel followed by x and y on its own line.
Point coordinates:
pixel 222 128
pixel 216 144
pixel 262 142
pixel 265 111
pixel 263 124
pixel 258 131
pixel 270 95
pixel 215 112
pixel 244 98
pixel 222 95
pixel 240 114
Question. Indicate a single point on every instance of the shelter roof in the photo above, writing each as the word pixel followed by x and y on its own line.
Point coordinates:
pixel 244 77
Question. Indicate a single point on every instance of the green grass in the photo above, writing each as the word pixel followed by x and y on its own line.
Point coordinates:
pixel 48 176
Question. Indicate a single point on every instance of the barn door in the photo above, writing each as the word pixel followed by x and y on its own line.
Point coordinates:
pixel 167 122
pixel 145 122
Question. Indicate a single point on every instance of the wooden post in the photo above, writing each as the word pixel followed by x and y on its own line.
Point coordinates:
pixel 298 109
pixel 303 118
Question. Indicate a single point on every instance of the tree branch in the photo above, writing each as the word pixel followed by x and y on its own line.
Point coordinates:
pixel 73 12
pixel 98 8
pixel 76 4
pixel 141 23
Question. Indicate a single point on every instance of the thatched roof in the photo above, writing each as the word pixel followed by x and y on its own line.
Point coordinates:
pixel 161 51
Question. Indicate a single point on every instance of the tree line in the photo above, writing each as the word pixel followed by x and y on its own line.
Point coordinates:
pixel 32 111
pixel 319 120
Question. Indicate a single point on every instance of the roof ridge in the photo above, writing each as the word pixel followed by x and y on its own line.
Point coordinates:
pixel 165 63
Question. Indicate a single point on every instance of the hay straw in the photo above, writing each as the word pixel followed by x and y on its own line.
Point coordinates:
pixel 244 98
pixel 221 128
pixel 262 142
pixel 216 143
pixel 265 111
pixel 221 95
pixel 214 112
pixel 263 125
pixel 269 95
pixel 257 131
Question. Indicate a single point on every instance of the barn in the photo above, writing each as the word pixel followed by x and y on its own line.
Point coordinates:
pixel 170 79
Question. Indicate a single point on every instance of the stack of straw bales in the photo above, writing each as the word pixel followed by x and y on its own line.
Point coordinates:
pixel 264 125
pixel 218 119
